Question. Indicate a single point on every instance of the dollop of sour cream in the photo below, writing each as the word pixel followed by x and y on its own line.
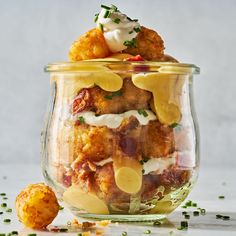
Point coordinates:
pixel 118 29
pixel 114 120
pixel 158 165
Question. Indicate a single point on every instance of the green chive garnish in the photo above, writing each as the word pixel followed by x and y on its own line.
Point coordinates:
pixel 184 212
pixel 96 17
pixel 114 94
pixel 187 216
pixel 2 194
pixel 105 7
pixel 2 234
pixel 101 27
pixel 14 233
pixel 6 220
pixel 1 212
pixel 130 32
pixel 4 198
pixel 3 205
pixel 226 217
pixel 32 234
pixel 61 208
pixel 81 119
pixel 79 234
pixel 124 233
pixel 219 216
pixel 114 8
pixel 174 125
pixel 155 223
pixel 63 230
pixel 203 211
pixel 130 43
pixel 107 14
pixel 9 210
pixel 117 20
pixel 137 29
pixel 148 231
pixel 196 213
pixel 221 197
pixel 142 112
pixel 194 204
pixel 143 161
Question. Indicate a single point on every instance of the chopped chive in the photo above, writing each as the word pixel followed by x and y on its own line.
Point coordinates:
pixel 2 194
pixel 117 20
pixel 203 211
pixel 32 234
pixel 3 205
pixel 6 220
pixel 219 216
pixel 196 213
pixel 142 112
pixel 9 210
pixel 81 119
pixel 187 216
pixel 143 171
pixel 184 212
pixel 194 204
pixel 109 97
pixel 114 94
pixel 14 233
pixel 61 208
pixel 226 217
pixel 4 198
pixel 135 20
pixel 130 32
pixel 124 233
pixel 148 231
pixel 143 161
pixel 105 7
pixel 130 43
pixel 2 234
pixel 79 234
pixel 184 206
pixel 137 29
pixel 63 230
pixel 1 212
pixel 107 14
pixel 101 27
pixel 96 17
pixel 155 223
pixel 131 19
pixel 174 125
pixel 221 197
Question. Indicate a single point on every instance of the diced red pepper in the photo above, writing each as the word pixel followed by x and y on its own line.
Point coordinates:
pixel 134 58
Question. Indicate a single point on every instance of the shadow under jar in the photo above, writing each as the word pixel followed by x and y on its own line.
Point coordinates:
pixel 120 139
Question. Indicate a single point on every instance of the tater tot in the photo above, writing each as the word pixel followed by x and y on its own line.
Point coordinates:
pixel 36 206
pixel 149 45
pixel 90 45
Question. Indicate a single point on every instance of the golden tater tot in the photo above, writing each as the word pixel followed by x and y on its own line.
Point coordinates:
pixel 90 45
pixel 36 206
pixel 149 45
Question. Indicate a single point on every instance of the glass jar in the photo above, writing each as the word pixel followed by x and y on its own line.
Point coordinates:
pixel 121 139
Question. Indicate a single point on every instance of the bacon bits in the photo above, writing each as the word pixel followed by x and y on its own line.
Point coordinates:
pixel 81 102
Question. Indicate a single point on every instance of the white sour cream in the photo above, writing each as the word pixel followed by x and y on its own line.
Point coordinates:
pixel 158 165
pixel 117 33
pixel 114 120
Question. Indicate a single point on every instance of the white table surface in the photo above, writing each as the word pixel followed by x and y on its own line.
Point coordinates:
pixel 211 184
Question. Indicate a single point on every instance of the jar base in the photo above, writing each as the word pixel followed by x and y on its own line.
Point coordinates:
pixel 123 218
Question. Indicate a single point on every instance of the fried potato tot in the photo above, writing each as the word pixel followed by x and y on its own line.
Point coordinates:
pixel 157 140
pixel 36 206
pixel 149 45
pixel 90 45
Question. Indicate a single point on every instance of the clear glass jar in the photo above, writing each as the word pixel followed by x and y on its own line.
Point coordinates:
pixel 121 139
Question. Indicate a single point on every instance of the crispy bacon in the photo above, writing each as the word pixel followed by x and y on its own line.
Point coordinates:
pixel 82 101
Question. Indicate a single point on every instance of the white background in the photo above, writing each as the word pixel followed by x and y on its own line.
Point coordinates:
pixel 34 33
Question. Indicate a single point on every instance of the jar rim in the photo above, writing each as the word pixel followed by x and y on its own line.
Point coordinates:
pixel 124 66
